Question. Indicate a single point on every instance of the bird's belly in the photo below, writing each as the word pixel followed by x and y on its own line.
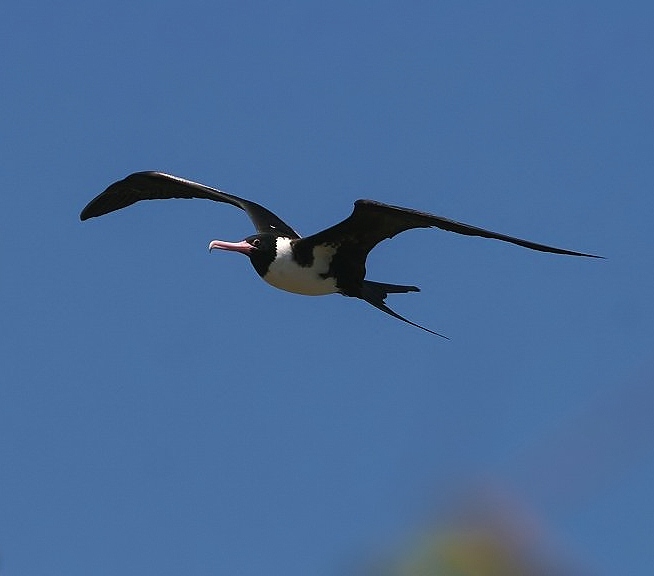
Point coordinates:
pixel 286 274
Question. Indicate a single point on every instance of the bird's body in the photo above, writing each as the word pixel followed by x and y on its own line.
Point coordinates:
pixel 331 261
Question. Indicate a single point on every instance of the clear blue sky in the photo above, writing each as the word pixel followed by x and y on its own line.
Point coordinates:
pixel 164 411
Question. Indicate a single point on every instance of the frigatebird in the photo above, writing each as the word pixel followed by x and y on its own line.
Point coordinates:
pixel 331 261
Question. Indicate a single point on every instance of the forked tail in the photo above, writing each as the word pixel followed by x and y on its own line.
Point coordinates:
pixel 375 293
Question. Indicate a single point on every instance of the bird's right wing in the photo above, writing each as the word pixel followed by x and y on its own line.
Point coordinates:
pixel 160 186
pixel 371 222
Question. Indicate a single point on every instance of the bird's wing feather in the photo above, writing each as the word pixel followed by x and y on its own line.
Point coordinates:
pixel 159 186
pixel 371 222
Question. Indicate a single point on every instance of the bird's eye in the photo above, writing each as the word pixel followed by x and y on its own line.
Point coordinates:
pixel 256 242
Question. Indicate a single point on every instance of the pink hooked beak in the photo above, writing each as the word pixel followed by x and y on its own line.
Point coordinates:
pixel 243 247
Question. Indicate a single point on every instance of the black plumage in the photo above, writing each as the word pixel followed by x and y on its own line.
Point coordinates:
pixel 342 248
pixel 159 186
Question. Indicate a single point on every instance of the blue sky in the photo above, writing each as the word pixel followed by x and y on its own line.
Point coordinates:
pixel 163 411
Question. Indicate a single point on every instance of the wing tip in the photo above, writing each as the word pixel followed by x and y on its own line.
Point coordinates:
pixel 91 210
pixel 574 253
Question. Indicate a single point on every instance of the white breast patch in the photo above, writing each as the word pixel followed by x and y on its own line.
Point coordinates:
pixel 286 274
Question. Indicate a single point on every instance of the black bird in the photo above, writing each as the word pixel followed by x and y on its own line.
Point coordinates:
pixel 331 261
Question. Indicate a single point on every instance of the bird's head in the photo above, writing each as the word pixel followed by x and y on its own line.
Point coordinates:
pixel 261 249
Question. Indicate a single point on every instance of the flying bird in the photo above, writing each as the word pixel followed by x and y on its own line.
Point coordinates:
pixel 331 261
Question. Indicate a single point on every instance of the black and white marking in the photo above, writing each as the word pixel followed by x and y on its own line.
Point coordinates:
pixel 331 261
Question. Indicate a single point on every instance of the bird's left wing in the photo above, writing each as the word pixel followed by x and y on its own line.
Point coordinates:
pixel 160 186
pixel 371 222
